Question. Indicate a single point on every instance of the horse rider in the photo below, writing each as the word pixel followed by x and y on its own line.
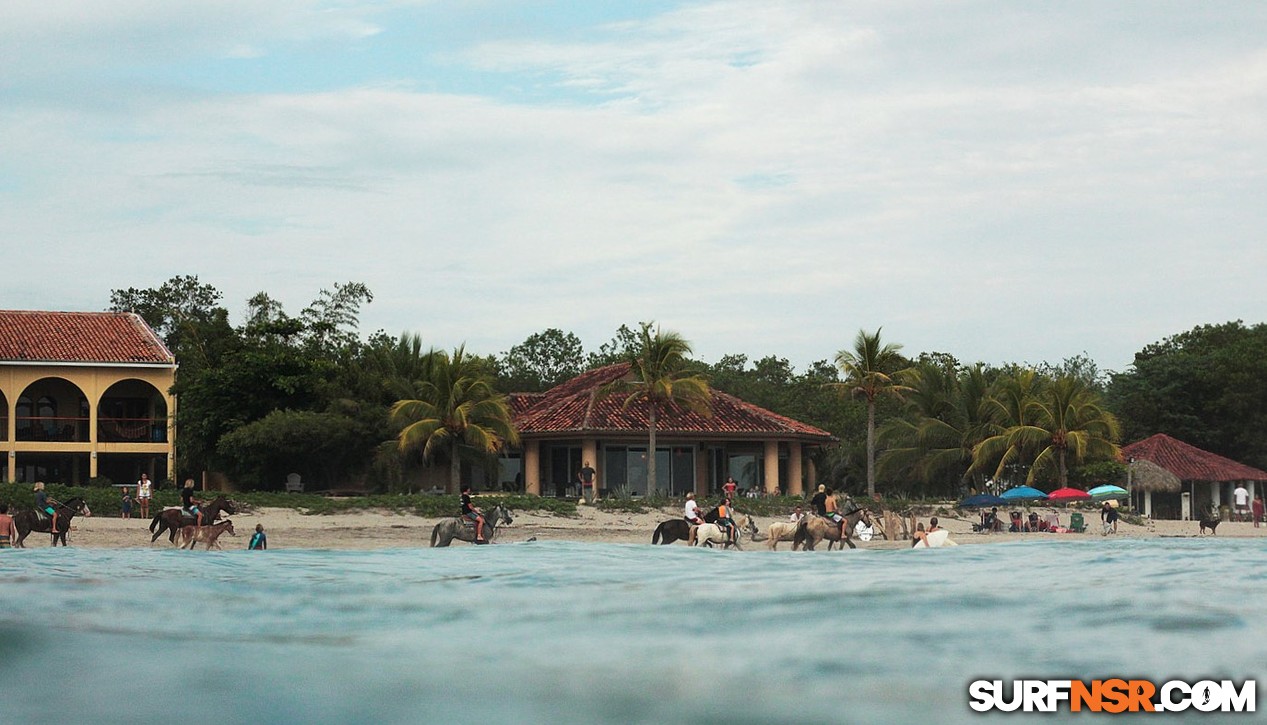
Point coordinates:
pixel 8 531
pixel 190 504
pixel 691 511
pixel 471 512
pixel 725 518
pixel 819 502
pixel 832 506
pixel 46 505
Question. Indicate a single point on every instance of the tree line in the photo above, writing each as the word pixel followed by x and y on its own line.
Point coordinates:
pixel 275 392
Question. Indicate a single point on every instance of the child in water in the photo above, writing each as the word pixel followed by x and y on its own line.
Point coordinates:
pixel 259 541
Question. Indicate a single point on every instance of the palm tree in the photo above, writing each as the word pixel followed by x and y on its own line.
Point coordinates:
pixel 869 372
pixel 661 382
pixel 947 409
pixel 455 408
pixel 1063 419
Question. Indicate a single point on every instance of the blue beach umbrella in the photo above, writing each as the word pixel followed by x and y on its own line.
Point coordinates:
pixel 982 500
pixel 1023 493
pixel 1108 491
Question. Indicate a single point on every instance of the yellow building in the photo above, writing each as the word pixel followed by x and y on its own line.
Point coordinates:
pixel 83 395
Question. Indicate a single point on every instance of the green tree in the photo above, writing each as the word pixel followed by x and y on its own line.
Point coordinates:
pixel 455 408
pixel 541 362
pixel 869 372
pixel 323 446
pixel 660 381
pixel 1206 386
pixel 1065 423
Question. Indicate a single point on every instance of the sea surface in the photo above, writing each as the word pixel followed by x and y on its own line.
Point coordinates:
pixel 554 632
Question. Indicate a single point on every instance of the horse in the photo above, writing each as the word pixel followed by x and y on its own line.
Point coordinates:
pixel 31 520
pixel 813 529
pixel 174 518
pixel 708 534
pixel 190 536
pixel 679 529
pixel 781 531
pixel 463 528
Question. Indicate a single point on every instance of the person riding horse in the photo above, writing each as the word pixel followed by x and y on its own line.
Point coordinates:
pixel 190 504
pixel 725 519
pixel 471 512
pixel 831 506
pixel 691 511
pixel 45 505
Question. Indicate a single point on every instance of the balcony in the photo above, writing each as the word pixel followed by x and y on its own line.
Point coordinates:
pixel 132 430
pixel 47 428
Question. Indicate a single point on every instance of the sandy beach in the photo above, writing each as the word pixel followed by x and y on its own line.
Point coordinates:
pixel 287 528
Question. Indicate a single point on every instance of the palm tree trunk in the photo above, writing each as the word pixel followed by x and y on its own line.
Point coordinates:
pixel 651 475
pixel 1064 471
pixel 455 471
pixel 871 449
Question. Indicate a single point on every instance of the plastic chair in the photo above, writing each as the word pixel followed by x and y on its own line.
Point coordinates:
pixel 1076 523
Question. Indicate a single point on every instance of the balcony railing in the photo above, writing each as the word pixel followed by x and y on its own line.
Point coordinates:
pixel 109 430
pixel 132 430
pixel 48 428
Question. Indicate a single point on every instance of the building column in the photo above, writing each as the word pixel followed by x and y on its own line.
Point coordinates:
pixel 811 479
pixel 771 458
pixel 794 471
pixel 532 468
pixel 93 405
pixel 11 434
pixel 1148 504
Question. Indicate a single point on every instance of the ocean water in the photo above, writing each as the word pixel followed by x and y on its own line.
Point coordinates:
pixel 590 633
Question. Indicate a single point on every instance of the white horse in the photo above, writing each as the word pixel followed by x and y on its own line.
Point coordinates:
pixel 781 531
pixel 709 534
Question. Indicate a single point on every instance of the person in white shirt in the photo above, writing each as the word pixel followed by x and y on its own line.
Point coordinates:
pixel 691 511
pixel 1241 497
pixel 143 495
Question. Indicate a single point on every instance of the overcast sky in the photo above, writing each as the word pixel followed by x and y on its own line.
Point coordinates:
pixel 1003 181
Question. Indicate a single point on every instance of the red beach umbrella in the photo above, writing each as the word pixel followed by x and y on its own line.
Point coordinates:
pixel 1067 495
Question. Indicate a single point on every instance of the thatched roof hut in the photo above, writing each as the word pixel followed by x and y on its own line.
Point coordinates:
pixel 1148 476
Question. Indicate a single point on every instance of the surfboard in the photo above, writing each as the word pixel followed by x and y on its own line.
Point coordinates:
pixel 938 538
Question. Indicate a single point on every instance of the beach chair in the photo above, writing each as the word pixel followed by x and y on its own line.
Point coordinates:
pixel 1076 523
pixel 294 484
pixel 1052 521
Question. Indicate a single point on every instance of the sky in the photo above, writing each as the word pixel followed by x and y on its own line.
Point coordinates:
pixel 1006 181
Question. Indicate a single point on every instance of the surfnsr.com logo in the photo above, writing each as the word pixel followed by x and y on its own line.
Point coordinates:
pixel 1111 696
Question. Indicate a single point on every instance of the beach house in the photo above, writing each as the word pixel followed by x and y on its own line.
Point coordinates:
pixel 84 395
pixel 574 423
pixel 1205 480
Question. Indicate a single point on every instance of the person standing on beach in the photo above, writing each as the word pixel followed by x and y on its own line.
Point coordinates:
pixel 259 541
pixel 143 494
pixel 586 477
pixel 8 530
pixel 1241 498
pixel 1258 511
pixel 729 487
pixel 125 506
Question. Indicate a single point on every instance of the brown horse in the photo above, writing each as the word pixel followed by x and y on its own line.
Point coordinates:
pixel 28 521
pixel 190 536
pixel 813 529
pixel 174 519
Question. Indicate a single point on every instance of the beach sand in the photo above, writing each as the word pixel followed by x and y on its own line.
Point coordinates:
pixel 380 530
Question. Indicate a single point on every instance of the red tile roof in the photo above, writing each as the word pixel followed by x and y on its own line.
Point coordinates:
pixel 577 407
pixel 79 337
pixel 1189 462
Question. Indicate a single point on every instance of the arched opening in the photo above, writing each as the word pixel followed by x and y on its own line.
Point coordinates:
pixel 52 409
pixel 132 411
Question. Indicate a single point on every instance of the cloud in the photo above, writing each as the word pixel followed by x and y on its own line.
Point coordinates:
pixel 999 181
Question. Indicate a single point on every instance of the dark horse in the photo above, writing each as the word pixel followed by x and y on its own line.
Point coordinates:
pixel 28 521
pixel 174 519
pixel 679 529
